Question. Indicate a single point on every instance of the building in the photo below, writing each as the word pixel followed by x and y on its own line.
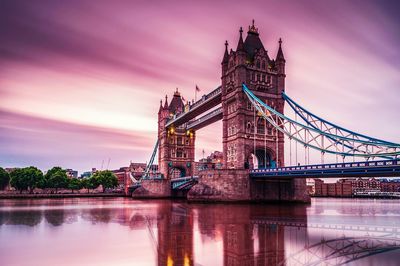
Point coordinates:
pixel 214 161
pixel 249 142
pixel 88 174
pixel 366 185
pixel 71 173
pixel 137 169
pixel 388 185
pixel 350 186
pixel 310 182
pixel 176 145
pixel 122 174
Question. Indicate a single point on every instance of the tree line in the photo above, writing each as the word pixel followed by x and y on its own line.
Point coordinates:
pixel 29 178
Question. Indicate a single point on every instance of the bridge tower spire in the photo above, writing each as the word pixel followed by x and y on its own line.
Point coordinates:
pixel 247 139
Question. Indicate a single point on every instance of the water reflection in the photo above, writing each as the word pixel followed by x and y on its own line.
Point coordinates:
pixel 329 232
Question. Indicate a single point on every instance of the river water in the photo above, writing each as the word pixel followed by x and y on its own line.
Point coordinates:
pixel 122 231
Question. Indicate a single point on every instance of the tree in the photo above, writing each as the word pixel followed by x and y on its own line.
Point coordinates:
pixel 107 179
pixel 25 178
pixel 57 178
pixel 4 178
pixel 74 184
pixel 90 183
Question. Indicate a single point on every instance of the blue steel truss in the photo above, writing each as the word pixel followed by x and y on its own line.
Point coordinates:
pixel 321 135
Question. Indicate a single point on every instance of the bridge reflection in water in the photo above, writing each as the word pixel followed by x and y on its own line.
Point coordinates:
pixel 237 234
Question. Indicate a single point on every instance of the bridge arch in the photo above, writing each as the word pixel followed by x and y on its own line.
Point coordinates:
pixel 260 157
pixel 177 171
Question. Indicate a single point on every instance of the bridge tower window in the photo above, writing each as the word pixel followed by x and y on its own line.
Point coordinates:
pixel 258 63
pixel 249 105
pixel 263 64
pixel 179 153
pixel 179 141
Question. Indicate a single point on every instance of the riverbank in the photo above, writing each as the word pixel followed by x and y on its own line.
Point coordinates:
pixel 66 195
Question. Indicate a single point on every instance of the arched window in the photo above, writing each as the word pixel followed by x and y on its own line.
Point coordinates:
pixel 249 127
pixel 261 126
pixel 258 63
pixel 263 64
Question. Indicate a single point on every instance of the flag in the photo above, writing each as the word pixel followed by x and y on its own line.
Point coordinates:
pixel 197 88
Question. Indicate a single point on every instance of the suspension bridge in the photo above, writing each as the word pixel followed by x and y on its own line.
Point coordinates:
pixel 251 102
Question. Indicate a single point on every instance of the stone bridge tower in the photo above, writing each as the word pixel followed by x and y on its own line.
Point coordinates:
pixel 176 145
pixel 247 138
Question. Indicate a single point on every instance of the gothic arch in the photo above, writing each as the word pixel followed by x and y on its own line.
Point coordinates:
pixel 260 157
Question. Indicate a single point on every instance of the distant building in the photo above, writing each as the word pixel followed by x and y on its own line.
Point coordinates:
pixel 71 173
pixel 342 188
pixel 214 161
pixel 366 185
pixel 390 185
pixel 351 186
pixel 137 169
pixel 122 175
pixel 10 169
pixel 310 186
pixel 88 173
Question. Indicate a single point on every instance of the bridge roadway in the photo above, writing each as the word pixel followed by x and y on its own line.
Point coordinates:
pixel 386 168
pixel 206 103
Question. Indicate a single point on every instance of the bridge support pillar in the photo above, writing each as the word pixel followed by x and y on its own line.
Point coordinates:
pixel 221 185
pixel 235 185
pixel 153 188
pixel 291 190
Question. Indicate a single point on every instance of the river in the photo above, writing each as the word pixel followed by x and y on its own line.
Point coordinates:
pixel 123 231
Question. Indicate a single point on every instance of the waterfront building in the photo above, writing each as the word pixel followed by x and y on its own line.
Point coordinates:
pixel 350 186
pixel 71 173
pixel 366 185
pixel 390 185
pixel 214 161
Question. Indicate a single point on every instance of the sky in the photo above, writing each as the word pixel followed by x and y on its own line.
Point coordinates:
pixel 81 81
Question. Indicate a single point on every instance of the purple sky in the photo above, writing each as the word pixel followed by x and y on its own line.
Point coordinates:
pixel 80 81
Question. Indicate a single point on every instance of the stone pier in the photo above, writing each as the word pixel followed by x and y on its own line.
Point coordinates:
pixel 155 188
pixel 235 185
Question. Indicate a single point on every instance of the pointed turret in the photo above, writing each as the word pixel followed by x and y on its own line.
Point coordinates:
pixel 240 46
pixel 279 55
pixel 166 102
pixel 252 42
pixel 226 55
pixel 176 106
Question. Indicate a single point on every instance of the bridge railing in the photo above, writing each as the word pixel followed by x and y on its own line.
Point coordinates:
pixel 329 166
pixel 205 98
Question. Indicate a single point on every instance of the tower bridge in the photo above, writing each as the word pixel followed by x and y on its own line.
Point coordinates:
pixel 250 102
